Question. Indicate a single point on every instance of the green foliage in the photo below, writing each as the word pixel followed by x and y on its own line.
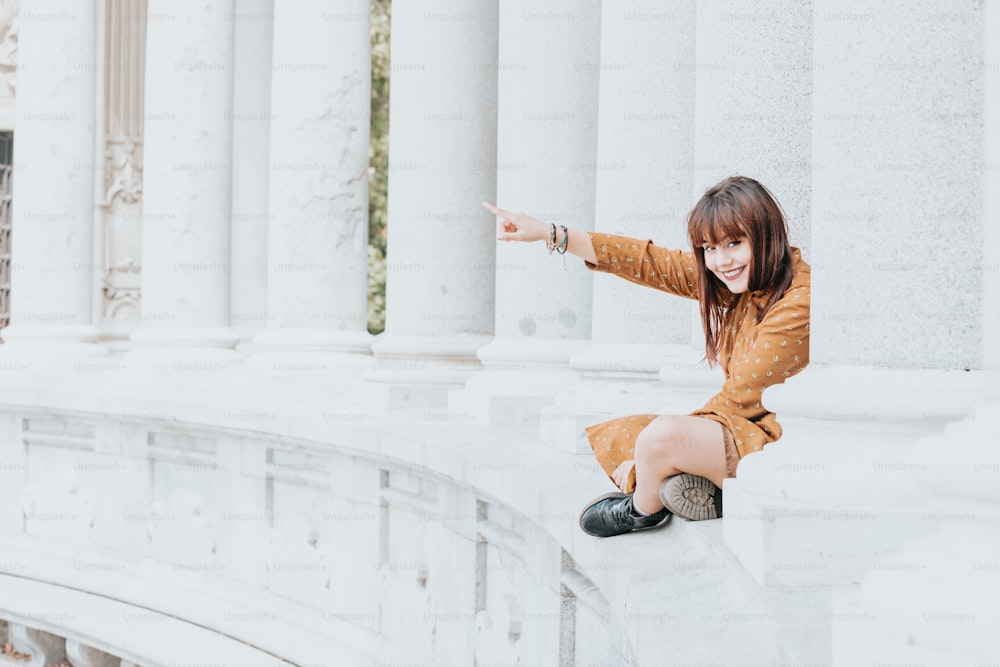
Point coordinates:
pixel 378 176
pixel 376 289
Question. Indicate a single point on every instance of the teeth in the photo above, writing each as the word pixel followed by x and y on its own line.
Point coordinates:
pixel 732 274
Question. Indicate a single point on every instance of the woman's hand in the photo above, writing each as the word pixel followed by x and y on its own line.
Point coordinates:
pixel 518 226
pixel 622 474
pixel 521 227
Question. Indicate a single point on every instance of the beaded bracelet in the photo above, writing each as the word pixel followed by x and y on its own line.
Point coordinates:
pixel 551 244
pixel 564 244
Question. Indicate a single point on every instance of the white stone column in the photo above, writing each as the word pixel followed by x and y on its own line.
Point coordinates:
pixel 645 150
pixel 318 226
pixel 187 182
pixel 442 165
pixel 53 189
pixel 896 303
pixel 991 194
pixel 547 166
pixel 945 599
pixel 251 118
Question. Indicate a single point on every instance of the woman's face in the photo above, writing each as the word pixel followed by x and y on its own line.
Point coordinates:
pixel 730 261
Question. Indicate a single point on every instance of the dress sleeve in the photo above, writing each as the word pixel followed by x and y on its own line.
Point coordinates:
pixel 644 263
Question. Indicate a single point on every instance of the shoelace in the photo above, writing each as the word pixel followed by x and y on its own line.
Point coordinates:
pixel 623 513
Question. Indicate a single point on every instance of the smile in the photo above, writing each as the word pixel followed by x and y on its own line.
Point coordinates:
pixel 734 274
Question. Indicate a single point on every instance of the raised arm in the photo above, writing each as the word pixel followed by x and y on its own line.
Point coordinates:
pixel 641 262
pixel 645 263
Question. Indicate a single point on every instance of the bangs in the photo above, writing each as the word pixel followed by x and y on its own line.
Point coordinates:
pixel 715 219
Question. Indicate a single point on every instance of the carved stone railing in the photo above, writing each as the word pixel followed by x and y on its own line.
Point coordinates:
pixel 320 532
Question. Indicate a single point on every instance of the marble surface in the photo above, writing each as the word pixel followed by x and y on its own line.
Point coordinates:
pixel 645 149
pixel 318 200
pixel 547 160
pixel 54 188
pixel 899 127
pixel 754 102
pixel 188 149
pixel 441 269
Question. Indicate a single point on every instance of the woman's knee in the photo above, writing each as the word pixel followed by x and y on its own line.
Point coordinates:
pixel 655 442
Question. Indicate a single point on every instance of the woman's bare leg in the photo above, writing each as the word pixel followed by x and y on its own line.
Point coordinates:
pixel 673 444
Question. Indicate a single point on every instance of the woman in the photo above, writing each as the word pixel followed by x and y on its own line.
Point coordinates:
pixel 753 292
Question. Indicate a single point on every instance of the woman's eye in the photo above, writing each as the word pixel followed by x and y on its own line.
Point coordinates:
pixel 732 243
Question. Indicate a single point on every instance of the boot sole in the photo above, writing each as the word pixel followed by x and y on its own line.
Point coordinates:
pixel 690 496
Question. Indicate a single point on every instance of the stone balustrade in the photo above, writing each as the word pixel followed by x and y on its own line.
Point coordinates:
pixel 326 532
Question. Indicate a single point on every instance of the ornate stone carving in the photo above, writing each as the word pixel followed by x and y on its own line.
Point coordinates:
pixel 120 178
pixel 9 12
pixel 121 290
pixel 122 171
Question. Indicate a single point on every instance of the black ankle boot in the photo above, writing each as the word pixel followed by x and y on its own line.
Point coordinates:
pixel 614 514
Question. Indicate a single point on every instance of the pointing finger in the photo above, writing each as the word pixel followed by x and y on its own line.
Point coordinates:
pixel 499 212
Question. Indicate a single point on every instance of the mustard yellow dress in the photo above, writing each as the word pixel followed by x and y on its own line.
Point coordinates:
pixel 757 352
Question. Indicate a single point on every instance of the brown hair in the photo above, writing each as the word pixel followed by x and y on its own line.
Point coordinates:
pixel 738 207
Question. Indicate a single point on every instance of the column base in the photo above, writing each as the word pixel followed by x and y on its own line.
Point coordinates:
pixel 115 335
pixel 180 367
pixel 50 334
pixel 307 361
pixel 595 401
pixel 187 357
pixel 50 350
pixel 621 380
pixel 689 381
pixel 183 337
pixel 418 370
pixel 934 600
pixel 614 360
pixel 520 379
pixel 325 341
pixel 841 486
